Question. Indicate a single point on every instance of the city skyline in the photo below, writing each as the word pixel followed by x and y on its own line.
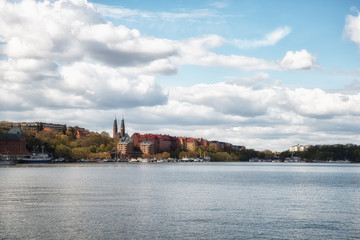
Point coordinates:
pixel 263 74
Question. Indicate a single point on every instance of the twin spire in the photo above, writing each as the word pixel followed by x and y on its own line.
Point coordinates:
pixel 116 134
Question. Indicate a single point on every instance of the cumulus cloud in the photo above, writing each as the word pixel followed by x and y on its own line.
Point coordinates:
pixel 71 31
pixel 269 40
pixel 352 28
pixel 271 117
pixel 62 56
pixel 197 51
pixel 298 60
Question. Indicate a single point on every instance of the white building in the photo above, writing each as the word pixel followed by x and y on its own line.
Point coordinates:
pixel 299 148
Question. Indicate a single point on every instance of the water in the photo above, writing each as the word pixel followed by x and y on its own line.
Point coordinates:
pixel 180 201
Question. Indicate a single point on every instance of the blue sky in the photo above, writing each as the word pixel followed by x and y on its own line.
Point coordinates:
pixel 264 74
pixel 317 26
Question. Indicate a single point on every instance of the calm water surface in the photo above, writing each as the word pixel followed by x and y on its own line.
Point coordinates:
pixel 180 201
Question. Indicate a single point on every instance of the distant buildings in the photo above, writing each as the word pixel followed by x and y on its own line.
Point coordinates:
pixel 149 143
pixel 298 148
pixel 13 142
pixel 162 143
pixel 33 126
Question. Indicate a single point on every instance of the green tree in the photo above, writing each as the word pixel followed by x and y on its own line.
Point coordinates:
pixel 40 126
pixel 92 149
pixel 212 148
pixel 63 151
pixel 80 152
pixel 63 130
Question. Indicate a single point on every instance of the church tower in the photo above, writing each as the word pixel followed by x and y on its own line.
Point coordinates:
pixel 122 130
pixel 115 129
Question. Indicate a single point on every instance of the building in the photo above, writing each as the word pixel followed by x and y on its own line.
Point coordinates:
pixel 299 148
pixel 190 144
pixel 125 144
pixel 162 143
pixel 125 147
pixel 147 147
pixel 33 126
pixel 13 142
pixel 81 132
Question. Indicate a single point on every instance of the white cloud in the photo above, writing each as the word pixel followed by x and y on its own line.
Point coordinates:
pixel 272 117
pixel 298 60
pixel 106 87
pixel 118 12
pixel 352 28
pixel 61 62
pixel 219 4
pixel 249 81
pixel 269 40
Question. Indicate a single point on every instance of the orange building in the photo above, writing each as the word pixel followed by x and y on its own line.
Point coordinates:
pixel 162 143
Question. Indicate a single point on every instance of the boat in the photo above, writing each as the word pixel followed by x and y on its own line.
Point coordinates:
pixel 35 158
pixel 5 160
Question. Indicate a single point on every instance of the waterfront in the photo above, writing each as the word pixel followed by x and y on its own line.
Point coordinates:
pixel 180 201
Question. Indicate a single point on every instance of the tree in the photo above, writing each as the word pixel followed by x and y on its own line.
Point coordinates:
pixel 63 130
pixel 221 157
pixel 92 149
pixel 40 127
pixel 105 134
pixel 80 152
pixel 71 132
pixel 62 151
pixel 183 154
pixel 147 155
pixel 212 148
pixel 165 155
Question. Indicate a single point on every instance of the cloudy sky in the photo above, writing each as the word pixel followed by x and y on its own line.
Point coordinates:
pixel 264 74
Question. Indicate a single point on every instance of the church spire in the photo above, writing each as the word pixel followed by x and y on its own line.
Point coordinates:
pixel 115 128
pixel 122 130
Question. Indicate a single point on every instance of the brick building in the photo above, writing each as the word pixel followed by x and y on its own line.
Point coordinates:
pixel 162 143
pixel 147 147
pixel 125 146
pixel 13 142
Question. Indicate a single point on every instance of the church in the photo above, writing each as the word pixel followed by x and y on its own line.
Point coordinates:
pixel 125 144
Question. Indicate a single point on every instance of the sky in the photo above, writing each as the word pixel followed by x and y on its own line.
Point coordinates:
pixel 262 74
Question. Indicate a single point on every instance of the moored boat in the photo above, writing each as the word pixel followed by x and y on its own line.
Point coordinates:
pixel 6 160
pixel 35 158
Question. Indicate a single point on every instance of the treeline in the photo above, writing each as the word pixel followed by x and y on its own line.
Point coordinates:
pixel 95 145
pixel 327 153
pixel 227 154
pixel 66 145
pixel 336 152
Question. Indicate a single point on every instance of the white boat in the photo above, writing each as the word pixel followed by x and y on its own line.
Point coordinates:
pixel 6 160
pixel 35 158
